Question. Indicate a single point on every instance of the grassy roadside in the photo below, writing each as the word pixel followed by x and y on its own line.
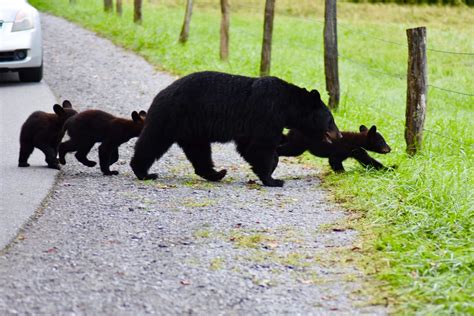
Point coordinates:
pixel 416 220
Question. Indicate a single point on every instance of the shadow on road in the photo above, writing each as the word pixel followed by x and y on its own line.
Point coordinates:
pixel 10 79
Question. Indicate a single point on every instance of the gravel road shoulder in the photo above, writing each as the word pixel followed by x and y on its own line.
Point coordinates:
pixel 114 245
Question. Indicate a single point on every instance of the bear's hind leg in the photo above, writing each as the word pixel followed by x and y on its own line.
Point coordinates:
pixel 64 148
pixel 114 156
pixel 81 154
pixel 25 151
pixel 146 151
pixel 50 154
pixel 263 159
pixel 200 156
pixel 105 154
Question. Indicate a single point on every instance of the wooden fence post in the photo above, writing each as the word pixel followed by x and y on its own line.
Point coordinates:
pixel 108 5
pixel 331 68
pixel 267 38
pixel 137 11
pixel 183 36
pixel 417 83
pixel 118 7
pixel 224 48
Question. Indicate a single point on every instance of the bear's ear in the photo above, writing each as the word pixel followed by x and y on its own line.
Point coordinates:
pixel 373 130
pixel 58 109
pixel 316 94
pixel 135 116
pixel 142 114
pixel 362 128
pixel 67 104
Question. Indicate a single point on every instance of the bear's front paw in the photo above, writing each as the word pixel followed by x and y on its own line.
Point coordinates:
pixel 54 166
pixel 110 173
pixel 62 160
pixel 90 163
pixel 220 174
pixel 23 164
pixel 150 176
pixel 273 183
pixel 214 176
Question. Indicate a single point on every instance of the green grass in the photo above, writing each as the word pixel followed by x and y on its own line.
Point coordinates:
pixel 417 219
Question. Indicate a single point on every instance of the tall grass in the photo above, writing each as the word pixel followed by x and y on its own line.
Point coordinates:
pixel 419 217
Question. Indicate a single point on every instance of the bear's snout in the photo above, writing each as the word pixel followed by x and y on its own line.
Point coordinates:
pixel 386 149
pixel 333 135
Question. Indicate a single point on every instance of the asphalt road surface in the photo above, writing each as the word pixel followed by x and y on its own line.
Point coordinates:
pixel 22 190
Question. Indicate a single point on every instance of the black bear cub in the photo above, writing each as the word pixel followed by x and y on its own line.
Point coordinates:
pixel 44 131
pixel 207 107
pixel 350 145
pixel 95 126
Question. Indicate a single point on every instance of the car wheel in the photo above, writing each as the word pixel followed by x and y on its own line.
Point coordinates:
pixel 31 74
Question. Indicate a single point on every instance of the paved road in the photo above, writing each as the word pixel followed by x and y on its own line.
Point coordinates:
pixel 177 245
pixel 21 189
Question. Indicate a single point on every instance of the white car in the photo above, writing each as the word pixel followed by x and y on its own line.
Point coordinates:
pixel 20 40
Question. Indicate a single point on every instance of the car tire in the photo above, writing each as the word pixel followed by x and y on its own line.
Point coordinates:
pixel 31 74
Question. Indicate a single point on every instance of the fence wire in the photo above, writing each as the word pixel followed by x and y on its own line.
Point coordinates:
pixel 449 138
pixel 365 65
pixel 447 52
pixel 342 25
pixel 392 75
pixel 451 91
pixel 396 43
pixel 370 68
pixel 349 59
pixel 406 46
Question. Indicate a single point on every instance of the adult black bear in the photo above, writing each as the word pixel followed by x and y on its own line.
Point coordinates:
pixel 206 107
pixel 93 126
pixel 350 145
pixel 44 131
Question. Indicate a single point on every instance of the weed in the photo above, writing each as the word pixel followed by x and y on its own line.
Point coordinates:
pixel 216 264
pixel 193 203
pixel 202 233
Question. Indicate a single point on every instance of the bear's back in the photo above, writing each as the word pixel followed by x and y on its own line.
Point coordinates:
pixel 231 102
pixel 91 124
pixel 215 90
pixel 37 124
